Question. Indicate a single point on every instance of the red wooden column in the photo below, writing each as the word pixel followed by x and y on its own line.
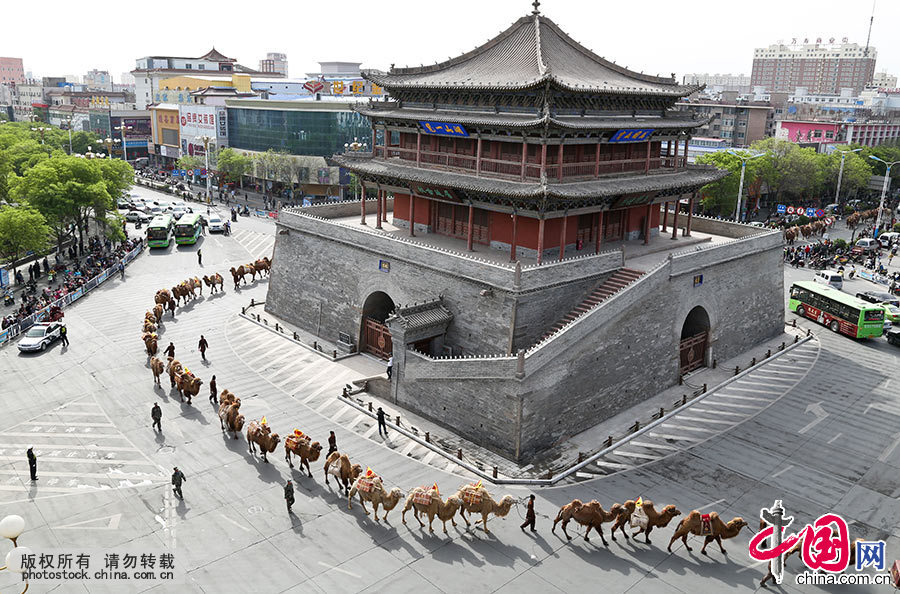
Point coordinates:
pixel 562 238
pixel 378 209
pixel 676 152
pixel 384 206
pixel 647 163
pixel 469 228
pixel 524 156
pixel 599 238
pixel 512 247
pixel 412 215
pixel 544 158
pixel 675 220
pixel 478 157
pixel 559 158
pixel 664 215
pixel 540 247
pixel 374 151
pixel 362 207
pixel 418 148
pixel 647 225
pixel 687 228
pixel 597 160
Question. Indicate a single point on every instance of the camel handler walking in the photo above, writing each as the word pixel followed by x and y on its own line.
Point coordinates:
pixel 289 495
pixel 381 423
pixel 203 345
pixel 177 478
pixel 213 391
pixel 32 463
pixel 332 444
pixel 156 415
pixel 170 350
pixel 529 515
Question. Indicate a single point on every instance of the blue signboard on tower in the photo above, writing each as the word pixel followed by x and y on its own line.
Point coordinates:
pixel 632 135
pixel 443 129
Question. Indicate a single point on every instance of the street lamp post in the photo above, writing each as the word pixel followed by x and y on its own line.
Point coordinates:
pixel 206 140
pixel 884 187
pixel 837 192
pixel 40 129
pixel 109 142
pixel 744 159
pixel 122 129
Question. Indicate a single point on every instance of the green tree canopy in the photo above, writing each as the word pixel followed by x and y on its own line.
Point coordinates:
pixel 22 230
pixel 232 164
pixel 189 162
pixel 721 197
pixel 857 172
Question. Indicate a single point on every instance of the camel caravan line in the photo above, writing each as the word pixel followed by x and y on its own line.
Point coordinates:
pixel 260 267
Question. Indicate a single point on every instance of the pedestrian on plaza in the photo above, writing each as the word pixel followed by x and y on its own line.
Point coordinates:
pixel 381 423
pixel 64 335
pixel 170 350
pixel 30 273
pixel 200 257
pixel 213 391
pixel 156 415
pixel 46 265
pixel 177 478
pixel 32 463
pixel 122 268
pixel 203 345
pixel 289 495
pixel 529 515
pixel 332 444
pixel 390 366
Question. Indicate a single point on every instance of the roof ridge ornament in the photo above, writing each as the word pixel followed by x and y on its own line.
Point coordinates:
pixel 537 7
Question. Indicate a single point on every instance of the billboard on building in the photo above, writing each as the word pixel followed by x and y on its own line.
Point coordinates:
pixel 197 121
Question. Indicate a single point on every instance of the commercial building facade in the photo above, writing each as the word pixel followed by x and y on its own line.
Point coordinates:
pixel 11 70
pixel 738 124
pixel 822 68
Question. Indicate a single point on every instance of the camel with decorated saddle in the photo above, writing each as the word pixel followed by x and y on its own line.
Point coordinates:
pixel 187 384
pixel 150 340
pixel 709 525
pixel 148 327
pixel 476 500
pixel 157 367
pixel 646 517
pixel 370 488
pixel 180 292
pixel 261 435
pixel 263 265
pixel 173 368
pixel 238 274
pixel 230 417
pixel 338 465
pixel 302 446
pixel 592 515
pixel 215 282
pixel 162 297
pixel 158 311
pixel 427 500
pixel 194 283
pixel 624 519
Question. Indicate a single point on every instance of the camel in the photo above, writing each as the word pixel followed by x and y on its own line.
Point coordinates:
pixel 238 275
pixel 590 514
pixel 475 499
pixel 158 310
pixel 300 446
pixel 173 368
pixel 150 342
pixel 186 289
pixel 188 385
pixel 251 270
pixel 338 466
pixel 156 366
pixel 177 294
pixel 444 510
pixel 806 230
pixel 789 236
pixel 149 327
pixel 693 524
pixel 229 413
pixel 624 518
pixel 655 519
pixel 375 494
pixel 261 434
pixel 213 280
pixel 263 265
pixel 162 296
pixel 194 283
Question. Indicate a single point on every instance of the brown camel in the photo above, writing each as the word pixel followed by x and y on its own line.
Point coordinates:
pixel 188 385
pixel 150 342
pixel 162 296
pixel 177 294
pixel 262 266
pixel 229 413
pixel 300 446
pixel 714 530
pixel 261 435
pixel 149 327
pixel 374 493
pixel 655 519
pixel 251 270
pixel 338 466
pixel 195 283
pixel 212 281
pixel 590 514
pixel 476 500
pixel 624 519
pixel 425 500
pixel 158 310
pixel 157 367
pixel 806 230
pixel 173 368
pixel 789 235
pixel 238 275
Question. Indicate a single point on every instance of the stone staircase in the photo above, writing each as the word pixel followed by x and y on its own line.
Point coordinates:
pixel 619 280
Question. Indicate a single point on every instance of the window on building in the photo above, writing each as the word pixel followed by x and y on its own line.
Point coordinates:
pixel 202 67
pixel 187 66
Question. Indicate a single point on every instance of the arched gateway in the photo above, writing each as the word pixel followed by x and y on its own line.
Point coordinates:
pixel 694 340
pixel 375 337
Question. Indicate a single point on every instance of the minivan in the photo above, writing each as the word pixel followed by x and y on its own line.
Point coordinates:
pixel 832 279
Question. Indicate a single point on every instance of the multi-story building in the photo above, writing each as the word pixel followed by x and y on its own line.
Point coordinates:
pixel 68 96
pixel 98 80
pixel 152 69
pixel 515 189
pixel 739 124
pixel 719 82
pixel 165 144
pixel 179 89
pixel 883 80
pixel 822 68
pixel 127 128
pixel 11 70
pixel 820 133
pixel 274 62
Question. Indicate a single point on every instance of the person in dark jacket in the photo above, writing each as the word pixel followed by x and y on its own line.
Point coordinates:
pixel 200 257
pixel 177 478
pixel 529 515
pixel 381 423
pixel 156 415
pixel 289 495
pixel 170 350
pixel 64 335
pixel 213 391
pixel 332 444
pixel 32 463
pixel 203 345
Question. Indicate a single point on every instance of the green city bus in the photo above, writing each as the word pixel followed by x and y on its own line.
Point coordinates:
pixel 187 229
pixel 159 231
pixel 839 311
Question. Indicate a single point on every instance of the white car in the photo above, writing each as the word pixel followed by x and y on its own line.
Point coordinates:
pixel 39 337
pixel 216 224
pixel 178 211
pixel 134 216
pixel 155 210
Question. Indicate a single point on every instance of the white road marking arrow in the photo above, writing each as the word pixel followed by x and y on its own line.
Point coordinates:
pixel 816 409
pixel 111 524
pixel 890 449
pixel 883 407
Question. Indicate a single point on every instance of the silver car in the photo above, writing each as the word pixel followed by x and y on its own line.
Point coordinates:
pixel 39 336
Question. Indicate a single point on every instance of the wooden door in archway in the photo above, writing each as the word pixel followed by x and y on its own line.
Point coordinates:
pixel 693 352
pixel 377 338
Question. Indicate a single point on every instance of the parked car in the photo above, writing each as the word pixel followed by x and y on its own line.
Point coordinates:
pixel 879 297
pixel 891 313
pixel 178 211
pixel 893 336
pixel 134 216
pixel 866 245
pixel 831 279
pixel 888 238
pixel 216 224
pixel 39 337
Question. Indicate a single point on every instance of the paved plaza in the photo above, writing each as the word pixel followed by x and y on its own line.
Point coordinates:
pixel 821 434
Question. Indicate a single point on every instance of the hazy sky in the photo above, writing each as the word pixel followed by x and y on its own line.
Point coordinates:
pixel 655 36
